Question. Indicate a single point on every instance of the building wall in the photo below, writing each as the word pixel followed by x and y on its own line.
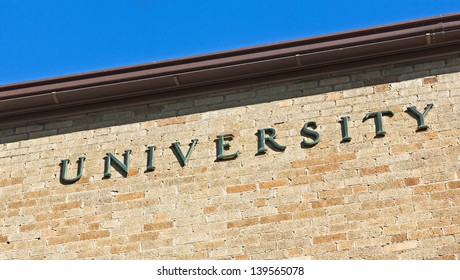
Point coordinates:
pixel 391 197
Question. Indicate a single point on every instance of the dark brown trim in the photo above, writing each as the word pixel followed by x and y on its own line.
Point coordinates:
pixel 102 90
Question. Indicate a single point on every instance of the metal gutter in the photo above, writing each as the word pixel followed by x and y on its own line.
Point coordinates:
pixel 140 84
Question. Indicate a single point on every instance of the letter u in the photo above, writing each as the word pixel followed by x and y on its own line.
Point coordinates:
pixel 63 176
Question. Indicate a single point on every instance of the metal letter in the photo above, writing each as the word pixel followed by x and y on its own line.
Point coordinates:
pixel 419 116
pixel 111 158
pixel 344 125
pixel 221 145
pixel 313 134
pixel 151 158
pixel 63 175
pixel 271 139
pixel 379 132
pixel 184 160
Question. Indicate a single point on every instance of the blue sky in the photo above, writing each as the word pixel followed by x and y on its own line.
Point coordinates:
pixel 43 39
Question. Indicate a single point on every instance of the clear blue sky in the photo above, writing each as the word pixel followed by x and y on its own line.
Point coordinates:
pixel 49 38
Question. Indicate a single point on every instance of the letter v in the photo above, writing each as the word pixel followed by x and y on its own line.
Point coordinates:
pixel 183 159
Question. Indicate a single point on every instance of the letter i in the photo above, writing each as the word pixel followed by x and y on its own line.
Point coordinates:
pixel 344 125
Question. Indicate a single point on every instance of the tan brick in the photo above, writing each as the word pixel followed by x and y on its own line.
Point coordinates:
pixel 143 237
pixel 323 168
pixel 243 223
pixel 294 253
pixel 382 88
pixel 22 204
pixel 363 215
pixel 454 185
pixel 97 218
pixel 160 217
pixel 411 181
pixel 398 229
pixel 335 193
pixel 400 246
pixel 210 209
pixel 386 186
pixel 347 245
pixel 360 189
pixel 62 239
pixel 309 214
pixel 429 188
pixel 9 213
pixel 447 257
pixel 293 207
pixel 378 204
pixel 36 194
pixel 31 227
pixel 172 121
pixel 94 226
pixel 94 234
pixel 210 245
pixel 67 206
pixel 334 95
pixel 65 222
pixel 446 194
pixel 49 216
pixel 111 241
pixel 405 148
pixel 302 180
pixel 260 202
pixel 451 230
pixel 300 163
pixel 398 238
pixel 274 184
pixel 275 218
pixel 327 202
pixel 310 196
pixel 323 160
pixel 158 226
pixel 329 238
pixel 124 248
pixel 374 170
pixel 93 253
pixel 133 172
pixel 430 80
pixel 11 182
pixel 241 188
pixel 129 196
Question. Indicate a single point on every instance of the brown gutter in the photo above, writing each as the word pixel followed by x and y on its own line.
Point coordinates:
pixel 103 90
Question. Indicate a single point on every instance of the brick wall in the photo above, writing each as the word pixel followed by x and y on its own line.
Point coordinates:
pixel 391 197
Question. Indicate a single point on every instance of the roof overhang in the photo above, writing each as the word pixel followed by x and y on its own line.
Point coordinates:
pixel 153 82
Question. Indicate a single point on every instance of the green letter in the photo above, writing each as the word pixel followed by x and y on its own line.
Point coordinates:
pixel 344 125
pixel 419 116
pixel 184 160
pixel 221 145
pixel 111 158
pixel 379 132
pixel 313 134
pixel 151 158
pixel 261 140
pixel 63 176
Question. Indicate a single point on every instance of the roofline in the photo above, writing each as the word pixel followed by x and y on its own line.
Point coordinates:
pixel 140 84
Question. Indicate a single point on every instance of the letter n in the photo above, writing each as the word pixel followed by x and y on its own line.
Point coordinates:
pixel 111 159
